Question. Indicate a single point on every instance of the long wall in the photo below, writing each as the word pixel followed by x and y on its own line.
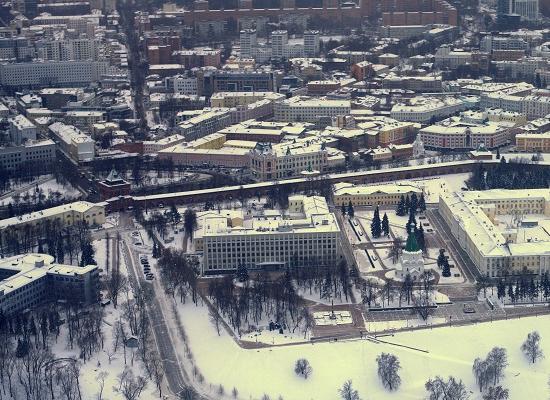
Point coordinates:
pixel 292 185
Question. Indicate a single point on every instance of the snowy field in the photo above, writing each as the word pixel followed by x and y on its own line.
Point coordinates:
pixel 270 370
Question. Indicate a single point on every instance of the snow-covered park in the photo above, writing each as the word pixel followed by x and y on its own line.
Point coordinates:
pixel 443 351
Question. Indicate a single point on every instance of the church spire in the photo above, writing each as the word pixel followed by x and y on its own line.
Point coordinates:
pixel 412 244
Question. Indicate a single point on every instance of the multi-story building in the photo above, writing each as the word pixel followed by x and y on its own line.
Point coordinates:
pixel 83 49
pixel 76 145
pixel 279 44
pixel 64 215
pixel 308 109
pixel 527 9
pixel 287 159
pixel 234 99
pixel 84 120
pixel 30 280
pixel 457 135
pixel 533 142
pixel 182 84
pixel 236 81
pixel 308 235
pixel 365 195
pixel 150 146
pixel 47 73
pixel 502 231
pixel 248 40
pixel 447 58
pixel 426 109
pixel 211 150
pixel 207 122
pixel 425 84
pixel 311 43
pixel 40 153
pixel 21 129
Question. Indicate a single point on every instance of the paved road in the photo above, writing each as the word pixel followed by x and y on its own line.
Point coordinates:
pixel 468 267
pixel 176 377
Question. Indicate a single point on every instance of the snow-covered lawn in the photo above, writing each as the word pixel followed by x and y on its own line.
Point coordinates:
pixel 451 351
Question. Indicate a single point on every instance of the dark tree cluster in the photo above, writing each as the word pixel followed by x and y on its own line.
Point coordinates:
pixel 245 306
pixel 509 175
pixel 72 243
pixel 524 287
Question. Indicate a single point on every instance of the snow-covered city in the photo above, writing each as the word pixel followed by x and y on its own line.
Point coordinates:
pixel 274 199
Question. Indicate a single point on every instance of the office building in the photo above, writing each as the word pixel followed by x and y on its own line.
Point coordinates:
pixel 308 235
pixel 28 281
pixel 504 232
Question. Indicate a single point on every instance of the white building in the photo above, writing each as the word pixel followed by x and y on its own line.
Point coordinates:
pixel 73 142
pixel 425 109
pixel 69 49
pixel 40 153
pixel 150 146
pixel 372 195
pixel 502 231
pixel 311 43
pixel 309 109
pixel 52 73
pixel 248 41
pixel 307 235
pixel 279 44
pixel 447 58
pixel 21 129
pixel 528 9
pixel 209 121
pixel 411 261
pixel 287 159
pixel 182 84
pixel 30 280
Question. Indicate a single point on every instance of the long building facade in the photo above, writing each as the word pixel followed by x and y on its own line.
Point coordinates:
pixel 502 231
pixel 308 236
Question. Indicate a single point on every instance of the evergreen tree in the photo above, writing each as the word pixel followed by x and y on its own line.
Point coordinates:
pixel 401 209
pixel 87 256
pixel 385 225
pixel 242 273
pixel 414 202
pixel 501 289
pixel 407 204
pixel 375 227
pixel 441 258
pixel 422 203
pixel 420 238
pixel 498 153
pixel 60 251
pixel 446 269
pixel 511 293
pixel 351 211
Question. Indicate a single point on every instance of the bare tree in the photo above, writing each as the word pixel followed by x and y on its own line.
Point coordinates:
pixel 188 393
pixel 215 318
pixel 347 392
pixel 388 371
pixel 132 386
pixel 302 367
pixel 235 393
pixel 531 347
pixel 101 380
pixel 496 393
pixel 157 371
pixel 490 370
pixel 452 389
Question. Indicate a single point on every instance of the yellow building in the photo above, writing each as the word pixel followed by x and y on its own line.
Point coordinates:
pixel 363 195
pixel 533 142
pixel 66 214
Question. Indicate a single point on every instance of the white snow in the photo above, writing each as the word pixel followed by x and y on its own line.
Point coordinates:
pixel 451 351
